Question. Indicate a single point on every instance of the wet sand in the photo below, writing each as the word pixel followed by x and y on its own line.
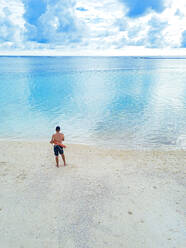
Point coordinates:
pixel 102 198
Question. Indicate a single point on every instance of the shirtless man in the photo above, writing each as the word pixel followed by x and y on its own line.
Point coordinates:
pixel 57 139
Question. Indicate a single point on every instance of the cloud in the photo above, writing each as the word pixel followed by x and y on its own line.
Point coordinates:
pixel 156 30
pixel 11 23
pixel 53 22
pixel 155 33
pixel 92 24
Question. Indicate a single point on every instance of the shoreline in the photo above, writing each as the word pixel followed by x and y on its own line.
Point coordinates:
pixel 99 146
pixel 102 198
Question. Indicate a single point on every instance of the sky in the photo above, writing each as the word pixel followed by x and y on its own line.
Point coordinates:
pixel 93 27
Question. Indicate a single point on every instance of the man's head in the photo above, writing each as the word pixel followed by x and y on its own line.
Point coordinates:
pixel 58 129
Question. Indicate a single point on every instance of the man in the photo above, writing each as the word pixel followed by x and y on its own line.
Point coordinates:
pixel 57 139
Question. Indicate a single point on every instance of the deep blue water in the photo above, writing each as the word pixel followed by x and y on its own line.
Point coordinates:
pixel 127 102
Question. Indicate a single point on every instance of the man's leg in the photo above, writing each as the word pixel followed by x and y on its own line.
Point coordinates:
pixel 57 161
pixel 63 157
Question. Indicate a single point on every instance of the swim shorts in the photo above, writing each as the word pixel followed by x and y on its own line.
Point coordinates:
pixel 58 150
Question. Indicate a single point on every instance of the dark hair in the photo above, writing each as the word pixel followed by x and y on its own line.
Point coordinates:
pixel 58 128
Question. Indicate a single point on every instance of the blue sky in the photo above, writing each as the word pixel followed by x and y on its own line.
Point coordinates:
pixel 92 25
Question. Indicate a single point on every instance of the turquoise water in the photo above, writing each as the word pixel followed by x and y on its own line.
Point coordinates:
pixel 128 102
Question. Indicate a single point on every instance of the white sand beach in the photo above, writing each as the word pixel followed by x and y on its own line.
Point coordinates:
pixel 102 198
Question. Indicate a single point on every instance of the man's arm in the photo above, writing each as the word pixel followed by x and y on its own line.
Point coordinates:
pixel 63 137
pixel 52 140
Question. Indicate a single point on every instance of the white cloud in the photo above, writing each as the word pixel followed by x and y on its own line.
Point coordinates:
pixel 159 30
pixel 90 25
pixel 11 23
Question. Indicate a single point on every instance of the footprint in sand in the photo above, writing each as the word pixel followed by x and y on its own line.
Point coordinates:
pixel 3 163
pixel 21 177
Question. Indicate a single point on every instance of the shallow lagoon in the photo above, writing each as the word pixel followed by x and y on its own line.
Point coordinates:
pixel 127 102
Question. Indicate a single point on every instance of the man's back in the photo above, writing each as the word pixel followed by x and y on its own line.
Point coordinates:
pixel 58 137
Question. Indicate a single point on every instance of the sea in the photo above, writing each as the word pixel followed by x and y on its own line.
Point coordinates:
pixel 113 102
